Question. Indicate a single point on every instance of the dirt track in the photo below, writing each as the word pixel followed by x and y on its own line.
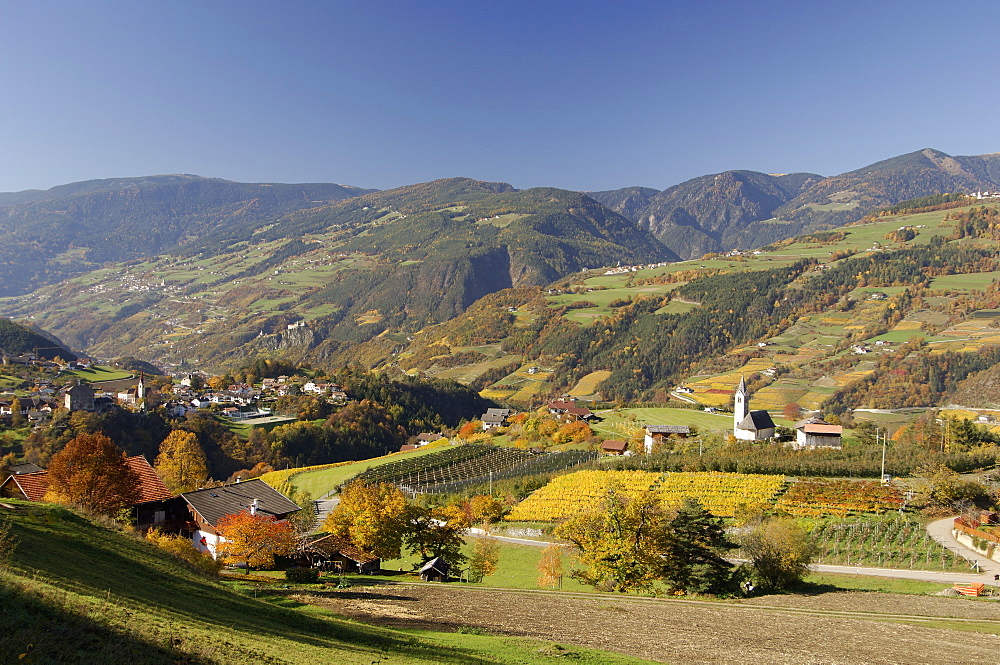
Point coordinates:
pixel 828 628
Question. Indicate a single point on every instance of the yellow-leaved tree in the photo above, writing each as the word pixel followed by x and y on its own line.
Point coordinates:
pixel 550 568
pixel 372 516
pixel 181 462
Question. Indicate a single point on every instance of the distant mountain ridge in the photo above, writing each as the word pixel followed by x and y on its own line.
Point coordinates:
pixel 745 209
pixel 48 235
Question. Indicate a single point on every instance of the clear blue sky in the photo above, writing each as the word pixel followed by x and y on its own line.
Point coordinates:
pixel 581 95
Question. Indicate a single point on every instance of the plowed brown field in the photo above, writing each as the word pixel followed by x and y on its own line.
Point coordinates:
pixel 838 627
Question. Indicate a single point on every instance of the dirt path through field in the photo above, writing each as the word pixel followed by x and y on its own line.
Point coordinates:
pixel 829 628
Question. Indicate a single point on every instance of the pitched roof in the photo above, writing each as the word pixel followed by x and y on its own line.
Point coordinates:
pixel 214 503
pixel 614 446
pixel 330 545
pixel 579 411
pixel 151 486
pixel 668 429
pixel 757 420
pixel 438 564
pixel 32 485
pixel 25 467
pixel 822 429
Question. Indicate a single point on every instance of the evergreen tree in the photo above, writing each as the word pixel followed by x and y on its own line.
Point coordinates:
pixel 693 550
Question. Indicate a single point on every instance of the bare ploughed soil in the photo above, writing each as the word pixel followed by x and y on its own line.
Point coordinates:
pixel 834 627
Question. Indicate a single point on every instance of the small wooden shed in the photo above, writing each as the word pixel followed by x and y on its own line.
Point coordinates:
pixel 614 447
pixel 435 570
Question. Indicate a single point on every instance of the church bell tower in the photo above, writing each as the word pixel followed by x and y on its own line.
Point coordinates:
pixel 740 404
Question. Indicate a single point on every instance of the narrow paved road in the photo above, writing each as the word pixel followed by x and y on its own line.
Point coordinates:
pixel 323 508
pixel 940 530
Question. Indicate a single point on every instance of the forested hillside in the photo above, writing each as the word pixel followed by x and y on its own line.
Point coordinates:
pixel 899 310
pixel 17 339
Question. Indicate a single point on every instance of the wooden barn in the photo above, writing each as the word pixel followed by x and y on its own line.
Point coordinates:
pixel 332 553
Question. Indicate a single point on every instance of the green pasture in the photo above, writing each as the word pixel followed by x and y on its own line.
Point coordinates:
pixel 321 481
pixel 896 417
pixel 965 283
pixel 677 307
pixel 517 567
pixel 98 373
pixel 613 420
pixel 466 373
pixel 603 297
pixel 819 582
pixel 503 221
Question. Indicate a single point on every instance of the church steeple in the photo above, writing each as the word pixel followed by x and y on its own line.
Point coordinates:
pixel 741 403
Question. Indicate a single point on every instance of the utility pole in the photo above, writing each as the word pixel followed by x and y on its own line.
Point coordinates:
pixel 884 441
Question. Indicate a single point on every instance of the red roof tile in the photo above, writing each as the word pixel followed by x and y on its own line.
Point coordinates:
pixel 151 487
pixel 815 428
pixel 32 485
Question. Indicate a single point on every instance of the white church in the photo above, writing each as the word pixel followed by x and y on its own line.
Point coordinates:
pixel 749 425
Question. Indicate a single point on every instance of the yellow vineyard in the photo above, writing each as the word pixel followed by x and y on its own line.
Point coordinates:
pixel 722 494
pixel 568 494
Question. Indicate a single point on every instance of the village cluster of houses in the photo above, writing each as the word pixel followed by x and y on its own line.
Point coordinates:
pixel 620 269
pixel 231 401
pixel 747 426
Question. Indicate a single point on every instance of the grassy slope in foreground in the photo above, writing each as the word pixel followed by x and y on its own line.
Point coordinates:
pixel 79 592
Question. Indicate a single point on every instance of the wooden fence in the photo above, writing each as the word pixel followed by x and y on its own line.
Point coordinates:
pixel 965 527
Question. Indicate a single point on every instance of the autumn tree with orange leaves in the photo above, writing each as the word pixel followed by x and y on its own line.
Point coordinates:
pixel 91 472
pixel 254 539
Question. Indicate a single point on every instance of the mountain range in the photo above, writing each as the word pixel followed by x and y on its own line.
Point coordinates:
pixel 187 269
pixel 748 209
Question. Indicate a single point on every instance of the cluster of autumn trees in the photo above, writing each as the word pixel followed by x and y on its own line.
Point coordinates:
pixel 631 543
pixel 527 430
pixel 377 518
pixel 913 376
